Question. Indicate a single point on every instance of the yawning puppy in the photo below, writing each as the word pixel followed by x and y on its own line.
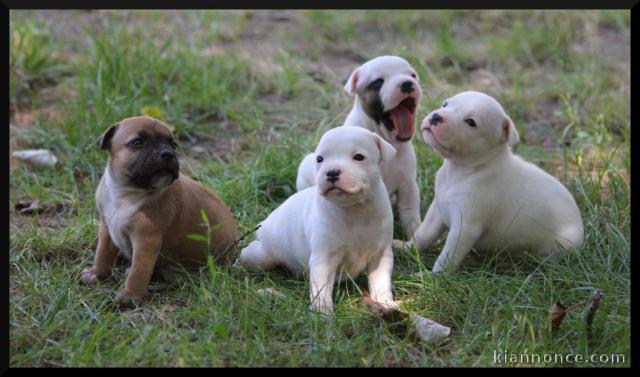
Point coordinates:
pixel 487 197
pixel 343 225
pixel 147 208
pixel 387 92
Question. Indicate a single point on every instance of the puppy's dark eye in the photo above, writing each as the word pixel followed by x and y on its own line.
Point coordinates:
pixel 414 75
pixel 470 122
pixel 358 157
pixel 319 159
pixel 136 142
pixel 377 84
pixel 174 145
pixel 444 104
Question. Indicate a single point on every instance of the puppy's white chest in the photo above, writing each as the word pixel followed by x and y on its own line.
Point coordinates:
pixel 117 212
pixel 362 244
pixel 355 260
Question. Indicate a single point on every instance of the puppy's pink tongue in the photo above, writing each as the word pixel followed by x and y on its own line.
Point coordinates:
pixel 404 121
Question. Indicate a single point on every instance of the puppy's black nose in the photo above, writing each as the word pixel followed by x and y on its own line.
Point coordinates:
pixel 435 119
pixel 407 87
pixel 333 175
pixel 167 155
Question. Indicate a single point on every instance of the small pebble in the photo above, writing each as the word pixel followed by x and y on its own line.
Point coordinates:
pixel 266 292
pixel 430 331
pixel 41 158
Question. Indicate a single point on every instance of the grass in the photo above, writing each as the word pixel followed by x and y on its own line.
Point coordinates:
pixel 249 93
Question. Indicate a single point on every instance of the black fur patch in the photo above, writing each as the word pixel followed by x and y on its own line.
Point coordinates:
pixel 373 107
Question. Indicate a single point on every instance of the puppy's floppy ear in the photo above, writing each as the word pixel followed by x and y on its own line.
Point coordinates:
pixel 352 84
pixel 387 151
pixel 509 132
pixel 104 141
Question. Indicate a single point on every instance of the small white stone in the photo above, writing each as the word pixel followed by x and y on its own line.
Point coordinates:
pixel 430 331
pixel 199 149
pixel 266 292
pixel 422 274
pixel 41 158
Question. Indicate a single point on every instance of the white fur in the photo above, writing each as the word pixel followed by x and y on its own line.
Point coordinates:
pixel 334 234
pixel 487 197
pixel 399 174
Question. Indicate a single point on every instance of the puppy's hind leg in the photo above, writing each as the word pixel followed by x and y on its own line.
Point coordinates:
pixel 568 239
pixel 571 237
pixel 256 258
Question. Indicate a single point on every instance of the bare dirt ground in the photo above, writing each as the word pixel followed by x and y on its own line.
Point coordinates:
pixel 267 38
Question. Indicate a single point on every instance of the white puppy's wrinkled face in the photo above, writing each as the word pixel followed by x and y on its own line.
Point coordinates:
pixel 348 164
pixel 468 128
pixel 389 92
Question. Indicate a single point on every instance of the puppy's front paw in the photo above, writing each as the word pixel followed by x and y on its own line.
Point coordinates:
pixel 89 276
pixel 322 309
pixel 381 304
pixel 389 304
pixel 439 270
pixel 127 299
pixel 402 245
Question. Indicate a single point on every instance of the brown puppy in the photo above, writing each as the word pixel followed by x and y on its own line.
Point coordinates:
pixel 147 209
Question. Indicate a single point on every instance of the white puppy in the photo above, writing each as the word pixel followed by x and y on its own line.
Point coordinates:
pixel 489 198
pixel 387 93
pixel 342 226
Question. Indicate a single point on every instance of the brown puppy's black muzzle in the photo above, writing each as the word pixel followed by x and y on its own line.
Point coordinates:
pixel 167 155
pixel 170 162
pixel 149 165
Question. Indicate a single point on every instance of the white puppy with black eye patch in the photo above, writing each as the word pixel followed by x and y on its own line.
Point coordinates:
pixel 387 92
pixel 340 227
pixel 487 197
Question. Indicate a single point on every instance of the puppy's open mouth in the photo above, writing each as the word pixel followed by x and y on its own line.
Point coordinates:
pixel 402 118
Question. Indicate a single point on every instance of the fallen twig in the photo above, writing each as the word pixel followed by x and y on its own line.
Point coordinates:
pixel 594 302
pixel 236 242
pixel 559 311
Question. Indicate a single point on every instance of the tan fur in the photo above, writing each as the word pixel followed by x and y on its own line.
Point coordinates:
pixel 157 230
